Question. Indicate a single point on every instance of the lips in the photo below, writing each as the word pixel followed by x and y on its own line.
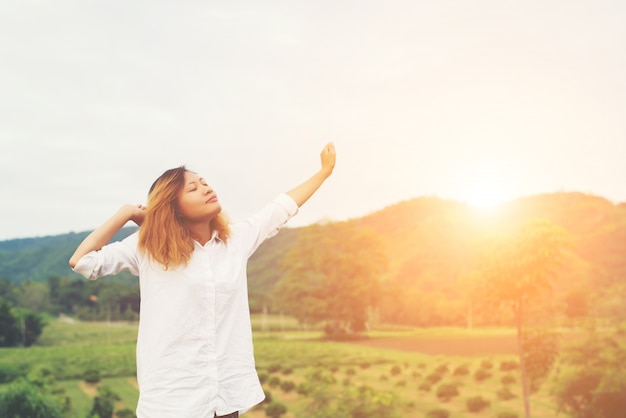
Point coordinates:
pixel 212 199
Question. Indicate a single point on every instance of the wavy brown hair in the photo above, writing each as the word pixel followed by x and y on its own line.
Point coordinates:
pixel 163 235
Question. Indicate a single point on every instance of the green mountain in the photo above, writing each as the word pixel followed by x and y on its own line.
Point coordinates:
pixel 429 243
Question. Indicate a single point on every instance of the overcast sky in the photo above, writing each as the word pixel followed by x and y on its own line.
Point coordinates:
pixel 476 100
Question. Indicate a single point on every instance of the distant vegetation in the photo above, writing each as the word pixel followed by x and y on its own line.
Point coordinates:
pixel 429 247
pixel 551 266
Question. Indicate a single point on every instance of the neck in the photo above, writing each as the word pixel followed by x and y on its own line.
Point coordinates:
pixel 201 232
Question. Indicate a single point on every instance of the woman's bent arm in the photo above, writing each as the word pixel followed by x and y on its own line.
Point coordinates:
pixel 103 234
pixel 300 194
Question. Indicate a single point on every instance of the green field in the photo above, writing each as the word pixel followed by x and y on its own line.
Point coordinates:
pixel 389 362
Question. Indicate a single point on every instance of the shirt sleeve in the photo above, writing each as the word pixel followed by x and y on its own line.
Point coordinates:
pixel 266 223
pixel 110 259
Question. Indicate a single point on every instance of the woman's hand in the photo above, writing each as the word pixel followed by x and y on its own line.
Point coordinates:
pixel 328 157
pixel 135 213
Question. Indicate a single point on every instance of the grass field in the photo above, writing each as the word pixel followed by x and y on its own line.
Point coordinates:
pixel 410 364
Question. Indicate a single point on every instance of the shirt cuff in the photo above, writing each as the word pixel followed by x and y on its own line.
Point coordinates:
pixel 287 203
pixel 85 266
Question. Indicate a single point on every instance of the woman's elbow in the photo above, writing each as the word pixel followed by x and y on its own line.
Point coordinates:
pixel 73 261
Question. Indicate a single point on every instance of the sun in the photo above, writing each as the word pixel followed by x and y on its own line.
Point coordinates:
pixel 485 199
pixel 485 187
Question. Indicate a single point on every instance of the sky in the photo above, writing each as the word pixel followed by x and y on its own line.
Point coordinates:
pixel 479 101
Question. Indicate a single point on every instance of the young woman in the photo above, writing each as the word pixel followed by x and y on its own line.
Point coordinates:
pixel 194 345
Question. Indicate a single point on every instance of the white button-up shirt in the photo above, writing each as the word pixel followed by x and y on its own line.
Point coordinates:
pixel 194 345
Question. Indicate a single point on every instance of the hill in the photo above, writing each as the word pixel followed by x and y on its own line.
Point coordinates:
pixel 429 243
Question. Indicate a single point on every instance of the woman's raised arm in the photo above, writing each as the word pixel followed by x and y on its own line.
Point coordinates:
pixel 103 234
pixel 301 193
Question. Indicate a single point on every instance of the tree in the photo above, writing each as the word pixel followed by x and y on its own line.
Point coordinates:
pixel 9 327
pixel 332 275
pixel 517 272
pixel 31 325
pixel 275 409
pixel 25 399
pixel 104 403
pixel 593 384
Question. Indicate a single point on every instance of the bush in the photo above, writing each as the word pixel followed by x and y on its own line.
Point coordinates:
pixel 275 410
pixel 507 414
pixel 424 387
pixel 506 366
pixel 23 399
pixel 442 369
pixel 481 374
pixel 263 377
pixel 447 391
pixel 302 389
pixel 477 404
pixel 274 381
pixel 287 386
pixel 273 368
pixel 396 370
pixel 461 371
pixel 505 394
pixel 486 364
pixel 125 413
pixel 350 371
pixel 434 378
pixel 507 379
pixel 10 372
pixel 92 376
pixel 437 413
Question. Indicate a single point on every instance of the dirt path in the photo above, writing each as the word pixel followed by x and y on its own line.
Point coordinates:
pixel 453 346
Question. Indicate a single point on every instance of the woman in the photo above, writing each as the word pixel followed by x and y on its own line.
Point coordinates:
pixel 194 345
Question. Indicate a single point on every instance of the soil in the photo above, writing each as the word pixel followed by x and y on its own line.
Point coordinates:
pixel 453 346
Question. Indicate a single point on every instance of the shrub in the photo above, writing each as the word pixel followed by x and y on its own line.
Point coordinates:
pixel 275 410
pixel 396 370
pixel 506 366
pixel 383 378
pixel 437 413
pixel 424 387
pixel 302 389
pixel 507 414
pixel 350 371
pixel 433 378
pixel 23 399
pixel 10 372
pixel 507 379
pixel 268 397
pixel 273 368
pixel 365 365
pixel 287 386
pixel 274 381
pixel 346 382
pixel 92 376
pixel 477 404
pixel 481 374
pixel 505 394
pixel 125 413
pixel 486 364
pixel 287 371
pixel 462 370
pixel 401 384
pixel 263 377
pixel 442 369
pixel 447 391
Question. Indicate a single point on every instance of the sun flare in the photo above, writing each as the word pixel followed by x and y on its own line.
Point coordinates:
pixel 485 187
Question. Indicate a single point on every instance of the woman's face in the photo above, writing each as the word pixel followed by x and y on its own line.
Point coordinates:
pixel 197 201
